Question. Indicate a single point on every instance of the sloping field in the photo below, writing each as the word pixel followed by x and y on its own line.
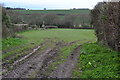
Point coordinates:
pixel 80 16
pixel 54 11
pixel 45 53
pixel 67 35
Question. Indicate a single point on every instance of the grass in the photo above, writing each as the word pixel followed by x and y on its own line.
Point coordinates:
pixel 18 51
pixel 10 42
pixel 67 35
pixel 54 11
pixel 97 61
pixel 38 36
pixel 15 46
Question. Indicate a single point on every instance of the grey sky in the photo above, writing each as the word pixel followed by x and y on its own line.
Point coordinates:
pixel 51 4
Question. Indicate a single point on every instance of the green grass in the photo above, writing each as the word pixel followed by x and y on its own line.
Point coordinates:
pixel 11 42
pixel 0 44
pixel 18 51
pixel 97 61
pixel 38 36
pixel 67 35
pixel 54 11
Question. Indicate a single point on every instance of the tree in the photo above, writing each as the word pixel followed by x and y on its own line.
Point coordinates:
pixel 69 21
pixel 6 25
pixel 50 19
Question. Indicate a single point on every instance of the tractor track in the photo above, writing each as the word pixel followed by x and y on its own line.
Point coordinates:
pixel 65 70
pixel 31 65
pixel 35 65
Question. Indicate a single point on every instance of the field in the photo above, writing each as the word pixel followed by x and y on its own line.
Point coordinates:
pixel 37 36
pixel 53 11
pixel 32 16
pixel 60 53
pixel 61 34
pixel 50 40
pixel 71 43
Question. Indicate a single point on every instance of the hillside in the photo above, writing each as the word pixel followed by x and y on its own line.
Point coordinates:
pixel 63 18
pixel 53 11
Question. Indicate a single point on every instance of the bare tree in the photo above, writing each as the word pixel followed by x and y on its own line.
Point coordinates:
pixel 50 19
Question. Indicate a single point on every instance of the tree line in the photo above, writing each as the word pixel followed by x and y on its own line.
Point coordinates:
pixel 9 8
pixel 62 21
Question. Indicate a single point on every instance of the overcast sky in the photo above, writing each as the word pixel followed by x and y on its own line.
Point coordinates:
pixel 50 4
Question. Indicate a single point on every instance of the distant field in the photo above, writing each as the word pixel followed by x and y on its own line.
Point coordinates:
pixel 82 16
pixel 54 11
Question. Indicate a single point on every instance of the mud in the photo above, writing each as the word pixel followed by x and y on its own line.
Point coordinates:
pixel 34 66
pixel 65 70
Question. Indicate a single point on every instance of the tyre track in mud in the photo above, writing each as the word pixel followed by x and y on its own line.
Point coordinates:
pixel 64 70
pixel 45 59
pixel 25 69
pixel 71 59
pixel 35 65
pixel 8 61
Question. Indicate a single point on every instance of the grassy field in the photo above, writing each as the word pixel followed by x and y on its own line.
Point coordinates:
pixel 67 35
pixel 94 61
pixel 38 36
pixel 54 11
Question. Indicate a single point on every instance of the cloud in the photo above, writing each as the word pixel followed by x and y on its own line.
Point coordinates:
pixel 51 3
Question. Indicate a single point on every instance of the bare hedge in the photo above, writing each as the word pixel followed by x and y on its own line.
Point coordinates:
pixel 9 29
pixel 106 20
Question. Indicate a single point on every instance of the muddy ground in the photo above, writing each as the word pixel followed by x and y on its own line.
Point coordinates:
pixel 36 64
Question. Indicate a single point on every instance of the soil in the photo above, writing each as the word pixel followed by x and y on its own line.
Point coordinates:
pixel 65 70
pixel 35 65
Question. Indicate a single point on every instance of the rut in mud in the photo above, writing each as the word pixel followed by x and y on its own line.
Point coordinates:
pixel 65 70
pixel 36 64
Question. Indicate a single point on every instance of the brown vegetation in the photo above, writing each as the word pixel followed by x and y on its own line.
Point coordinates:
pixel 105 18
pixel 60 20
pixel 8 28
pixel 6 24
